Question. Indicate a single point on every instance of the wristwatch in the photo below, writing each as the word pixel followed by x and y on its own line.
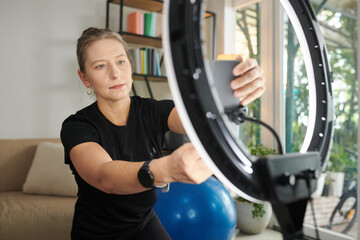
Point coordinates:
pixel 146 178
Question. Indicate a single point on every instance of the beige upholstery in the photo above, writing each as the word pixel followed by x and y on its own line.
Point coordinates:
pixel 15 160
pixel 48 175
pixel 34 217
pixel 29 216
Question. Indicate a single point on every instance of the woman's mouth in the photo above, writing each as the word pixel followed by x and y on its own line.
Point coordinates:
pixel 117 86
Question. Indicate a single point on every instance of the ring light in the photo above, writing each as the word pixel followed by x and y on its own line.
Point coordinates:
pixel 284 180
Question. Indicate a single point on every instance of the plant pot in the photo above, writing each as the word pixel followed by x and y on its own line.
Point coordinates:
pixel 246 222
pixel 320 186
pixel 337 183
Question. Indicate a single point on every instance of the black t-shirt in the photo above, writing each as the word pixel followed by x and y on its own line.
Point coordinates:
pixel 99 215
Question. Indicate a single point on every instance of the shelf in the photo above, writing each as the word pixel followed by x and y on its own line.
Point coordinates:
pixel 155 42
pixel 149 5
pixel 131 38
pixel 151 78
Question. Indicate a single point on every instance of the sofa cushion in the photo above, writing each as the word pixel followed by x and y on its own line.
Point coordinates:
pixel 34 217
pixel 48 175
pixel 16 156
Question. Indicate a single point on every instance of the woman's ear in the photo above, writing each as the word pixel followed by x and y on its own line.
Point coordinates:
pixel 83 78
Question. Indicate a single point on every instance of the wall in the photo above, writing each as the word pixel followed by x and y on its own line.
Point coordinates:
pixel 39 84
pixel 224 17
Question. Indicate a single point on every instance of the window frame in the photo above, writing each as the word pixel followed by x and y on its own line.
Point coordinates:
pixel 273 104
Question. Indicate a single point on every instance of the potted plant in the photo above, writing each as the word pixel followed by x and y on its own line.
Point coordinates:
pixel 335 173
pixel 321 183
pixel 326 188
pixel 253 218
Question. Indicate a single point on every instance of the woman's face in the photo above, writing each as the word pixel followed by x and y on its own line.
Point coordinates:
pixel 107 70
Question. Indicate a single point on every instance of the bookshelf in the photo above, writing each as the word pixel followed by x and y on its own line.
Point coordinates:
pixel 155 42
pixel 148 5
pixel 142 39
pixel 151 78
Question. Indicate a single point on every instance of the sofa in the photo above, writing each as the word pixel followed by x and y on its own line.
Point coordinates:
pixel 37 190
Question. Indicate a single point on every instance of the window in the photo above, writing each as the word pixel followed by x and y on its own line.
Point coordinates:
pixel 247 44
pixel 261 28
pixel 339 27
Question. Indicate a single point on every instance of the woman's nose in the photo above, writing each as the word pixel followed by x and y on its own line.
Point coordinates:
pixel 114 71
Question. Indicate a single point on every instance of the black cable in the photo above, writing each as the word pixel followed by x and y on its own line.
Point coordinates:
pixel 314 218
pixel 238 116
pixel 312 206
pixel 280 149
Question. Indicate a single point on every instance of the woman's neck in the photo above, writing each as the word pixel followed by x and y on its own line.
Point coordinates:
pixel 116 112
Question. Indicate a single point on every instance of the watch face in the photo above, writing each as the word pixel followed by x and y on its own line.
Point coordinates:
pixel 146 178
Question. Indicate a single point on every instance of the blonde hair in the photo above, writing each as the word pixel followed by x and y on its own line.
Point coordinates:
pixel 93 34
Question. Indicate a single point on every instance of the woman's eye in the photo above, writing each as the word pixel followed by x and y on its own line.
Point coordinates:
pixel 121 61
pixel 100 66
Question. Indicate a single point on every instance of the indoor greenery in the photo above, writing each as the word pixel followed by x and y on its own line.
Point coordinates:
pixel 258 208
pixel 258 150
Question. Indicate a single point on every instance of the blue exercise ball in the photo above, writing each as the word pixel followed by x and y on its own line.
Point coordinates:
pixel 203 211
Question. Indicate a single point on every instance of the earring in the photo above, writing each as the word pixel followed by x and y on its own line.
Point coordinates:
pixel 89 92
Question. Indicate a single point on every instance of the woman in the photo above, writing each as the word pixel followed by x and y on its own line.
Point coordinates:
pixel 116 197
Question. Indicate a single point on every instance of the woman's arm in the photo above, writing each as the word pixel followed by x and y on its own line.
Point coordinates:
pixel 97 168
pixel 174 122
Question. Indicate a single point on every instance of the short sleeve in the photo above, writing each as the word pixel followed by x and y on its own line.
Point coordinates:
pixel 158 112
pixel 75 131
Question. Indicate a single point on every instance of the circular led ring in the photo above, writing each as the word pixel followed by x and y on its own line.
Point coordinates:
pixel 190 81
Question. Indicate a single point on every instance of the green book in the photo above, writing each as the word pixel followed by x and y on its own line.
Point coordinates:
pixel 147 24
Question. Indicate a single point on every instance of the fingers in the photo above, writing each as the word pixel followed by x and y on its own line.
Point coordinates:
pixel 249 88
pixel 246 78
pixel 240 58
pixel 190 167
pixel 252 96
pixel 189 151
pixel 197 174
pixel 245 66
pixel 250 84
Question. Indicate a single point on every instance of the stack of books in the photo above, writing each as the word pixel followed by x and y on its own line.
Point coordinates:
pixel 146 61
pixel 148 24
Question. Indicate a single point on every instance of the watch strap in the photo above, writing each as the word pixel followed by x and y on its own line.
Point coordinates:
pixel 165 187
pixel 146 164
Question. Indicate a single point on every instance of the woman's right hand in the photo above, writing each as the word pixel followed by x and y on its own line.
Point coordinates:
pixel 186 165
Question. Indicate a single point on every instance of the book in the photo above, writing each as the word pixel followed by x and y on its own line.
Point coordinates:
pixel 157 61
pixel 147 24
pixel 135 53
pixel 142 54
pixel 142 24
pixel 134 22
pixel 151 62
pixel 147 61
pixel 158 28
pixel 153 24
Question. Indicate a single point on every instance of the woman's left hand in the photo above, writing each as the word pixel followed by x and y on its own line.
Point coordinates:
pixel 249 85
